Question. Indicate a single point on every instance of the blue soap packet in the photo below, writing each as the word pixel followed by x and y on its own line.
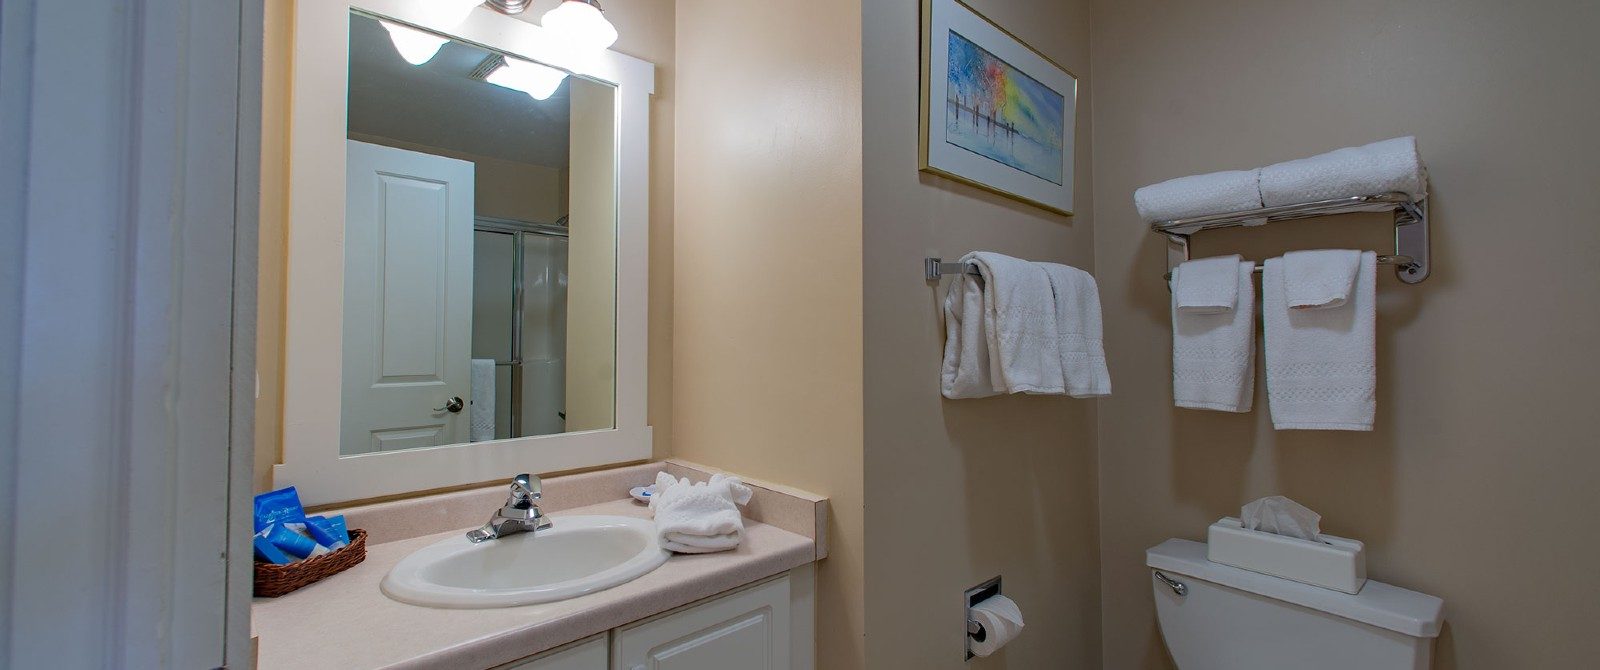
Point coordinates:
pixel 326 532
pixel 267 553
pixel 295 544
pixel 280 506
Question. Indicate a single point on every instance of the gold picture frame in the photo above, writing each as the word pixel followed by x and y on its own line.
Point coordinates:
pixel 1014 75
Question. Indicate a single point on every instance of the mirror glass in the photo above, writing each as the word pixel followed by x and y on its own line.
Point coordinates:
pixel 479 246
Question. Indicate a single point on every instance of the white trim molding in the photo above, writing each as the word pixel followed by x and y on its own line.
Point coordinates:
pixel 314 308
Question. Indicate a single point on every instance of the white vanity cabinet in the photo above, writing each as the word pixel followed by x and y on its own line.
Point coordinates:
pixel 747 629
pixel 765 626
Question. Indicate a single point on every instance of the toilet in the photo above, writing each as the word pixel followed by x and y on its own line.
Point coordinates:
pixel 1217 617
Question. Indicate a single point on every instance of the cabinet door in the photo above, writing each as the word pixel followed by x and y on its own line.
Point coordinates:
pixel 589 654
pixel 745 630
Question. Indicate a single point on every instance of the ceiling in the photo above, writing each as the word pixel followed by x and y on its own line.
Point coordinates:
pixel 436 104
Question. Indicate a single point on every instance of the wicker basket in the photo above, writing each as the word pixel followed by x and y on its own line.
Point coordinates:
pixel 275 580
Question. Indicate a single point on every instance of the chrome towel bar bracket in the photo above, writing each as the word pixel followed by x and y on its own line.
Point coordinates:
pixel 1410 258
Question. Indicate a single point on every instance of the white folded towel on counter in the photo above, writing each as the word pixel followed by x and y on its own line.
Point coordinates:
pixel 1320 278
pixel 699 518
pixel 1020 324
pixel 1214 353
pixel 1082 349
pixel 1380 167
pixel 1206 285
pixel 1321 363
pixel 1198 195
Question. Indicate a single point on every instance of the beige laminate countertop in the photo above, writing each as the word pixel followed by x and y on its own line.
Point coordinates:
pixel 346 622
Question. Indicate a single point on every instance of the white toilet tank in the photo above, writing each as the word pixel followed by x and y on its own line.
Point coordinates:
pixel 1233 619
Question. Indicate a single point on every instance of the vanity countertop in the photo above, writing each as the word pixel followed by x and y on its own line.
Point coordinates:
pixel 346 622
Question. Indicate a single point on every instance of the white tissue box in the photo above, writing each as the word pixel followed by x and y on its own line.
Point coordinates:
pixel 1334 563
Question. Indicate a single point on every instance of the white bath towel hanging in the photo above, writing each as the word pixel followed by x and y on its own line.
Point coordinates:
pixel 1080 343
pixel 1019 314
pixel 1321 363
pixel 699 518
pixel 1214 353
pixel 481 416
pixel 1319 278
pixel 965 372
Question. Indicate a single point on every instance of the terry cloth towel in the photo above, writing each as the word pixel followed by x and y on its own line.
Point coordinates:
pixel 1198 195
pixel 1083 356
pixel 699 518
pixel 1019 324
pixel 1320 278
pixel 1321 363
pixel 482 414
pixel 1214 354
pixel 965 371
pixel 1380 167
pixel 1207 285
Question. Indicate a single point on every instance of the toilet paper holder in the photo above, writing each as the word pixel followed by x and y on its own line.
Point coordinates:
pixel 973 596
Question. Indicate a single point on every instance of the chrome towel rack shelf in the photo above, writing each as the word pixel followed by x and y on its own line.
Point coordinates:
pixel 1410 258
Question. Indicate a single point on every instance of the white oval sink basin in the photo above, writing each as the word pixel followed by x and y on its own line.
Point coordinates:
pixel 578 555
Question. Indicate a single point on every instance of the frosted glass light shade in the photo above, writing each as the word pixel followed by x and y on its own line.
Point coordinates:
pixel 416 46
pixel 538 81
pixel 581 25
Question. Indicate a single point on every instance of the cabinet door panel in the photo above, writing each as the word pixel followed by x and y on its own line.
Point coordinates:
pixel 745 630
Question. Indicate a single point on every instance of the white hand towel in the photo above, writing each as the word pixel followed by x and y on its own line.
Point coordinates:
pixel 1319 278
pixel 1019 314
pixel 1322 363
pixel 1083 355
pixel 1198 195
pixel 1206 285
pixel 1380 167
pixel 481 417
pixel 965 373
pixel 699 518
pixel 1214 355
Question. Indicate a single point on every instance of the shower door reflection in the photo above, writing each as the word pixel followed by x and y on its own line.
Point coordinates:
pixel 519 328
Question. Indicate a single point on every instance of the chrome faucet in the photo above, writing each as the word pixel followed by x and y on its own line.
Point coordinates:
pixel 520 514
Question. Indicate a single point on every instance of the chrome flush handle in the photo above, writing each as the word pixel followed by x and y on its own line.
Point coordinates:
pixel 1176 586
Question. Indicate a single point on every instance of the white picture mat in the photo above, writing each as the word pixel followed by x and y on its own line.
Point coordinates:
pixel 947 15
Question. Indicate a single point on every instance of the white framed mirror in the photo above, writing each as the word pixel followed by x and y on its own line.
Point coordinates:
pixel 466 267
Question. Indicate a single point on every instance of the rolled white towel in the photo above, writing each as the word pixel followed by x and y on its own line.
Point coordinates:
pixel 699 518
pixel 1380 167
pixel 1198 195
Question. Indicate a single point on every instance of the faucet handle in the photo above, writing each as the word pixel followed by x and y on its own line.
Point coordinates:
pixel 525 487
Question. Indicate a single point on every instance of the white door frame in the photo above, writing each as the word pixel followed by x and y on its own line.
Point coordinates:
pixel 124 138
pixel 313 313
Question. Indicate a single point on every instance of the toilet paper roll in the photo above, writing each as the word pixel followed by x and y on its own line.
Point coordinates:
pixel 1002 622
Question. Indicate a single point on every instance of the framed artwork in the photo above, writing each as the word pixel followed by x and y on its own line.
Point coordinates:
pixel 996 113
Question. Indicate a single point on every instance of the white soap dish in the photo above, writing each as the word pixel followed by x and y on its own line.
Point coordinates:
pixel 1334 563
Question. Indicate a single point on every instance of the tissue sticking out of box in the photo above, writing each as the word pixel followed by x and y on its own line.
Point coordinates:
pixel 1277 514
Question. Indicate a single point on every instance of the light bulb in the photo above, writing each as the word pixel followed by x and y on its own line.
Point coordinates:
pixel 538 81
pixel 580 24
pixel 416 46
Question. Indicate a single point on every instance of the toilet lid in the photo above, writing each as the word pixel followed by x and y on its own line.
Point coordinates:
pixel 1378 604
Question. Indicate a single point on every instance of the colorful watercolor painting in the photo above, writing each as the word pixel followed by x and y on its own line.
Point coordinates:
pixel 994 110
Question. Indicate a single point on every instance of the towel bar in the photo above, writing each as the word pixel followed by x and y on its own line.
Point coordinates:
pixel 1410 256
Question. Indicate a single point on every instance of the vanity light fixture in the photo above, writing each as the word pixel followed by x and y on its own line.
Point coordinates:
pixel 416 46
pixel 580 24
pixel 538 81
pixel 419 46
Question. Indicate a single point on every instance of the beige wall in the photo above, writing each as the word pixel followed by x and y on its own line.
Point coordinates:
pixel 960 491
pixel 277 52
pixel 767 306
pixel 1479 483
